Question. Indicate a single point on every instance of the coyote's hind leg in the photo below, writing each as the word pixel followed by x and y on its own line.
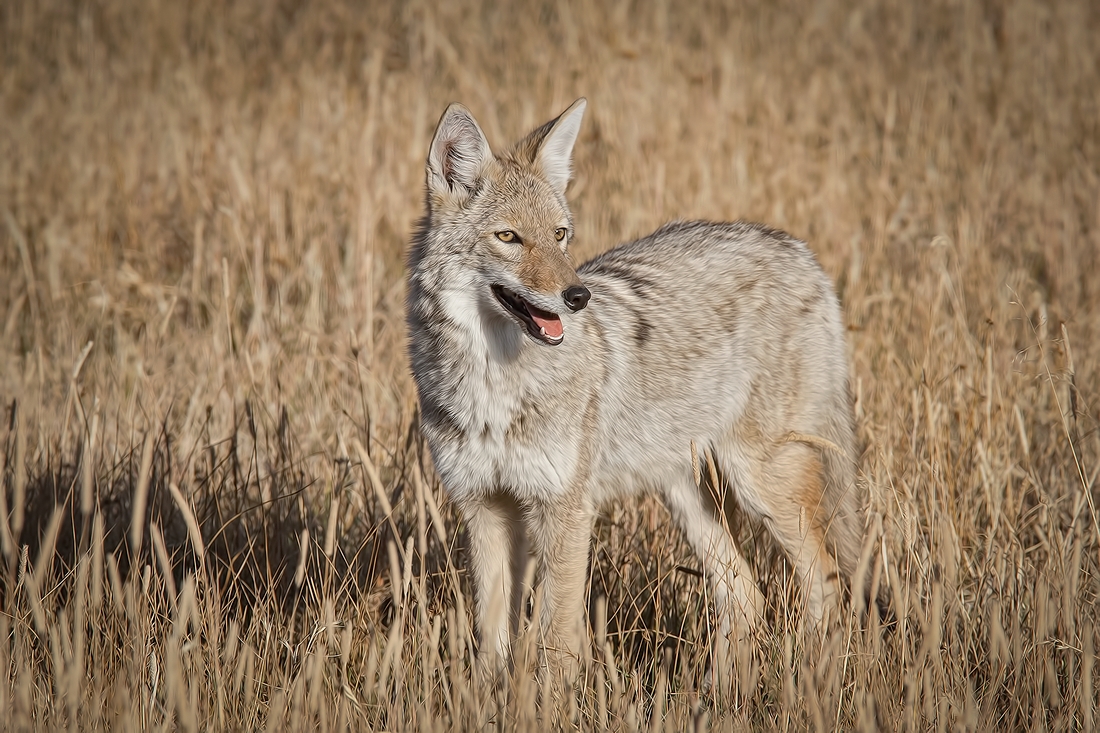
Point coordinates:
pixel 738 601
pixel 791 485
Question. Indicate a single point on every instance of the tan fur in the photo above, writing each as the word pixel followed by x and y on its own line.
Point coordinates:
pixel 545 267
pixel 801 523
pixel 722 341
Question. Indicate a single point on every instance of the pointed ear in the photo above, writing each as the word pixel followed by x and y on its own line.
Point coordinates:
pixel 458 154
pixel 555 152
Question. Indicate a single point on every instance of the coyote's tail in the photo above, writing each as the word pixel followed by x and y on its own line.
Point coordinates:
pixel 842 498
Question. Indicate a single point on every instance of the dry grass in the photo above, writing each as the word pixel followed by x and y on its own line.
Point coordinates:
pixel 219 514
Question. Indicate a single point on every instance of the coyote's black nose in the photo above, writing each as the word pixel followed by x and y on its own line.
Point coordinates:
pixel 576 297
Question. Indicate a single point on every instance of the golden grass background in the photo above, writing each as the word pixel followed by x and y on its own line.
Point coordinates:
pixel 218 512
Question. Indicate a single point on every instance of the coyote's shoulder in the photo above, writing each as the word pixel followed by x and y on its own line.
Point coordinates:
pixel 547 389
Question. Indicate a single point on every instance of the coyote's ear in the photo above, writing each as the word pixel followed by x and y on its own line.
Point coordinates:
pixel 555 152
pixel 458 154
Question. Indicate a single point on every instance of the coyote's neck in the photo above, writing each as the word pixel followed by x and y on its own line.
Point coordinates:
pixel 492 400
pixel 475 355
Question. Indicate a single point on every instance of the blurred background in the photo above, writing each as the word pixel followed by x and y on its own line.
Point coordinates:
pixel 157 157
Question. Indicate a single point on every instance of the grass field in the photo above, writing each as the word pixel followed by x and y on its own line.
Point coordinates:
pixel 218 513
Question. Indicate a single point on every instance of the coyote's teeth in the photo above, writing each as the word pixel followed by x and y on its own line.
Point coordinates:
pixel 542 330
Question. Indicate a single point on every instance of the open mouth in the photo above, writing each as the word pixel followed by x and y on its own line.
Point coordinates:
pixel 542 325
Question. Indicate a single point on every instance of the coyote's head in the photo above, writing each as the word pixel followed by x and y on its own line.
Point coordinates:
pixel 503 223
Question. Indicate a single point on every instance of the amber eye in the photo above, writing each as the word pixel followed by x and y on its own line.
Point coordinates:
pixel 508 236
pixel 559 233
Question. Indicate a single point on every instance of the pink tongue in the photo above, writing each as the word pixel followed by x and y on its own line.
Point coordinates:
pixel 548 321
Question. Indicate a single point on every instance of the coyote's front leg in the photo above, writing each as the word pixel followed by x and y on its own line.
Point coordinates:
pixel 561 532
pixel 498 558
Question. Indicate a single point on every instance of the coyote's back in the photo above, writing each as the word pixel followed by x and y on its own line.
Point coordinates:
pixel 546 390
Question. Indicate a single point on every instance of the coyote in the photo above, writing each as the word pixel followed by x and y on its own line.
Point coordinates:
pixel 546 390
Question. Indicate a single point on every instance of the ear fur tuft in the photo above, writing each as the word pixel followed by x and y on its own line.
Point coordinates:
pixel 555 152
pixel 458 155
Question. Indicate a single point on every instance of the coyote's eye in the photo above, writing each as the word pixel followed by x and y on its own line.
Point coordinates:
pixel 508 236
pixel 559 233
